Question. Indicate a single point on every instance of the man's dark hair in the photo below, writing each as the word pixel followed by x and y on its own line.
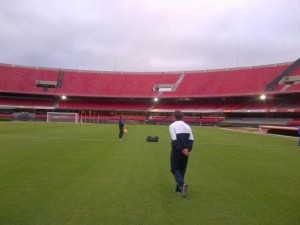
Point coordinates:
pixel 178 115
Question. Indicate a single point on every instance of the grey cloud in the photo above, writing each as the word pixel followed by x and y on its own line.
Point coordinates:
pixel 148 35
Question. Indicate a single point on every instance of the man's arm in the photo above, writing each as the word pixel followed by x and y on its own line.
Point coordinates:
pixel 175 144
pixel 191 140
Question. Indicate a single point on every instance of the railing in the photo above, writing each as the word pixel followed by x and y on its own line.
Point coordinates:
pixel 271 86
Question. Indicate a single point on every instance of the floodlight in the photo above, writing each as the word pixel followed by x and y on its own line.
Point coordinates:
pixel 156 99
pixel 263 97
pixel 63 97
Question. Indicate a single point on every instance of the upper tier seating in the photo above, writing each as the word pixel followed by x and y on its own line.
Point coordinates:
pixel 227 82
pixel 294 88
pixel 296 71
pixel 113 84
pixel 217 83
pixel 198 84
pixel 281 88
pixel 168 78
pixel 248 81
pixel 23 80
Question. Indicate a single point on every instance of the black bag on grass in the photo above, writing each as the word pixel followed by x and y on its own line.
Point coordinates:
pixel 152 139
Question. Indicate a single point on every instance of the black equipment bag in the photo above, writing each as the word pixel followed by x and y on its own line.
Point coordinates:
pixel 152 139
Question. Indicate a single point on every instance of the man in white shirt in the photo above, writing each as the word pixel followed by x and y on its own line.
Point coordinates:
pixel 182 144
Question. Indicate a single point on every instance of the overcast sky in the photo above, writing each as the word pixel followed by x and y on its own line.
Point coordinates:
pixel 153 35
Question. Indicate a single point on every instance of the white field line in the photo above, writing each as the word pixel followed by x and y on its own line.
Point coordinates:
pixel 258 133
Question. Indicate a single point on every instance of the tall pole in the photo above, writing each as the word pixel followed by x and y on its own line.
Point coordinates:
pixel 238 51
pixel 115 63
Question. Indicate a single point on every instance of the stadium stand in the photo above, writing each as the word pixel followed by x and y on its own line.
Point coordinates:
pixel 294 122
pixel 15 79
pixel 257 105
pixel 281 87
pixel 248 81
pixel 176 106
pixel 230 105
pixel 296 71
pixel 23 102
pixel 198 84
pixel 109 84
pixel 227 82
pixel 289 104
pixel 108 105
pixel 191 120
pixel 240 81
pixel 290 68
pixel 202 95
pixel 293 88
pixel 168 78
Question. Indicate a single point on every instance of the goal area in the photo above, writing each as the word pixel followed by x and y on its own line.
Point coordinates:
pixel 62 117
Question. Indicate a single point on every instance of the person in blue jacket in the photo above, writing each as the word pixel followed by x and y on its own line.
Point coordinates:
pixel 182 141
pixel 121 128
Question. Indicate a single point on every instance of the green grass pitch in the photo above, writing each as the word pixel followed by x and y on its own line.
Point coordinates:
pixel 65 174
